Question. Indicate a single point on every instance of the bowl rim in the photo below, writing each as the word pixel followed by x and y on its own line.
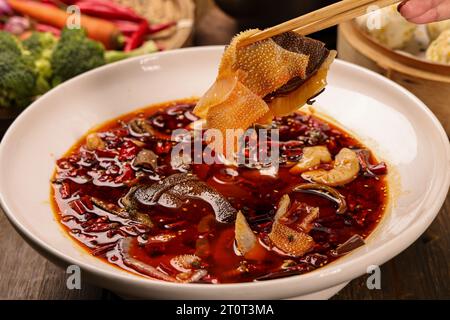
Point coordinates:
pixel 337 273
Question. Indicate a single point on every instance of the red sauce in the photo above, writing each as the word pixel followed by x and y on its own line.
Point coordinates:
pixel 108 175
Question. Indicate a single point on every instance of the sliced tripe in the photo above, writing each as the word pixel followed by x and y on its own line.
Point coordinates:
pixel 231 105
pixel 285 104
pixel 265 70
pixel 293 239
pixel 263 66
pixel 290 241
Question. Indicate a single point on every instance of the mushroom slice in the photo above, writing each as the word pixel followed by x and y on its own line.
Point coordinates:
pixel 94 142
pixel 345 170
pixel 141 267
pixel 326 192
pixel 289 241
pixel 146 159
pixel 312 156
pixel 140 127
pixel 246 241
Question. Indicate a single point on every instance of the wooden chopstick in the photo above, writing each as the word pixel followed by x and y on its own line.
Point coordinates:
pixel 320 19
pixel 339 18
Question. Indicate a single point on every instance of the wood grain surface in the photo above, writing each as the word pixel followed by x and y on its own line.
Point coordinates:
pixel 420 272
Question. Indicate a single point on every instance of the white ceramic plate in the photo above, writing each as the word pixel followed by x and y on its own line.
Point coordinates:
pixel 388 118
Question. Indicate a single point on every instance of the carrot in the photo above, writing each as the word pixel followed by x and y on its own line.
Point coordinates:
pixel 25 35
pixel 98 29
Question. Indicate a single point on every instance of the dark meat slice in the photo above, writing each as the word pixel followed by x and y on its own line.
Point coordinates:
pixel 172 190
pixel 294 42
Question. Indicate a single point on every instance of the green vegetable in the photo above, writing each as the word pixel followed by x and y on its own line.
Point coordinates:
pixel 41 45
pixel 18 79
pixel 147 47
pixel 32 67
pixel 8 43
pixel 75 54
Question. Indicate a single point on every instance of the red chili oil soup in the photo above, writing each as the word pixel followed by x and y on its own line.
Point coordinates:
pixel 121 196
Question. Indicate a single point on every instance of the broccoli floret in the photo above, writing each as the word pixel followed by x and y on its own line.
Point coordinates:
pixel 41 45
pixel 17 81
pixel 9 44
pixel 17 77
pixel 114 55
pixel 75 54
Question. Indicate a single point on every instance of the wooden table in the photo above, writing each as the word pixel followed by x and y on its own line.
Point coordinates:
pixel 420 272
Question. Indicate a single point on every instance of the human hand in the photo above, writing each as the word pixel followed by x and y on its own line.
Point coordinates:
pixel 425 11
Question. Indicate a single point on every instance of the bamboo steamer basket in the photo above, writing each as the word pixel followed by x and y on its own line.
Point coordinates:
pixel 160 11
pixel 430 82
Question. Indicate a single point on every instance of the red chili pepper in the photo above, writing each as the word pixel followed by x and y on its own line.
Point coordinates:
pixel 107 10
pixel 68 2
pixel 103 249
pixel 64 190
pixel 46 28
pixel 176 225
pixel 126 27
pixel 120 8
pixel 127 174
pixel 101 227
pixel 120 132
pixel 167 268
pixel 154 28
pixel 78 206
pixel 105 153
pixel 54 3
pixel 86 200
pixel 163 147
pixel 379 169
pixel 128 151
pixel 137 38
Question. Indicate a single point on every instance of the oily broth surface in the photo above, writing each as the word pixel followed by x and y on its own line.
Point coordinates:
pixel 108 176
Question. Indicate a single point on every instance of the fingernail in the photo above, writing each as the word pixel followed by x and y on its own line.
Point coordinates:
pixel 401 5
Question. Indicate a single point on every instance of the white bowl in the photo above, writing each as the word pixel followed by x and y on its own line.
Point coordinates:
pixel 385 116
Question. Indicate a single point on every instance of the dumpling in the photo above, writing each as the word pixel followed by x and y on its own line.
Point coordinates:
pixel 436 28
pixel 269 78
pixel 439 50
pixel 388 27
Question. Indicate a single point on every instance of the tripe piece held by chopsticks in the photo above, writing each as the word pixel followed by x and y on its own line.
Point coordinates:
pixel 320 19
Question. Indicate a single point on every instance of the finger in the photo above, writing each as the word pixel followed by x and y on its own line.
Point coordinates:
pixel 441 12
pixel 429 16
pixel 416 8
